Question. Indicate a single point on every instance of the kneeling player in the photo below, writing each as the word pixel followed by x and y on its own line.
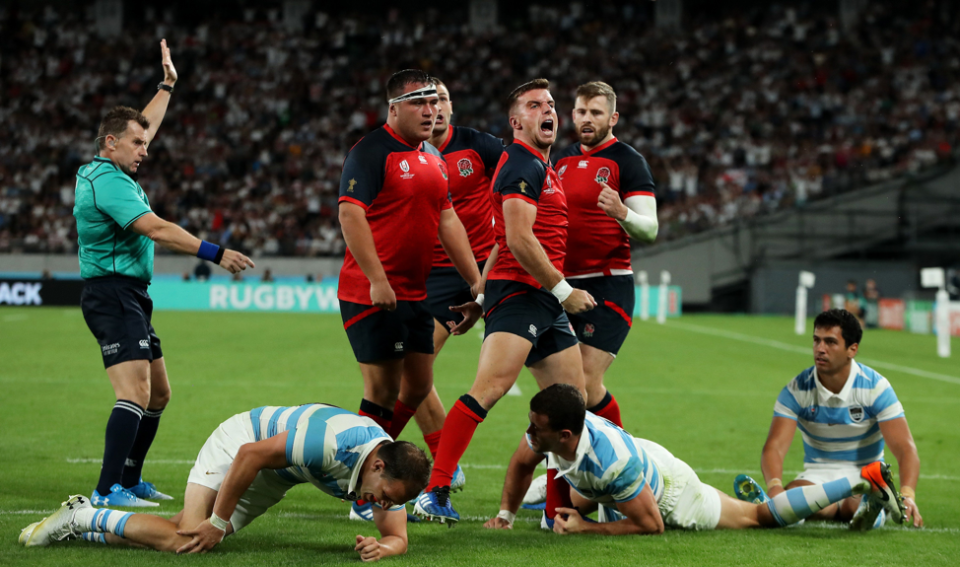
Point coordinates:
pixel 247 465
pixel 642 488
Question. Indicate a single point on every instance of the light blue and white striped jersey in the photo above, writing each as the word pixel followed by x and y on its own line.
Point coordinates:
pixel 610 465
pixel 326 445
pixel 841 427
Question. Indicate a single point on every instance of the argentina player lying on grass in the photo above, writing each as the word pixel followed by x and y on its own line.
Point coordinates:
pixel 247 465
pixel 641 488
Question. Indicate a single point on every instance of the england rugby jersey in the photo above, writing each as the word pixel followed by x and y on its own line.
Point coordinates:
pixel 471 158
pixel 523 174
pixel 402 188
pixel 610 466
pixel 596 244
pixel 326 445
pixel 841 427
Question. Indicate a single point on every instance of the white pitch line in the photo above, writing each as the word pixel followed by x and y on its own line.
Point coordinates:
pixel 499 467
pixel 800 350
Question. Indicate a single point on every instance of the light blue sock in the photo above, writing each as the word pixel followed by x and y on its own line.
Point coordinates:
pixel 804 501
pixel 96 537
pixel 102 520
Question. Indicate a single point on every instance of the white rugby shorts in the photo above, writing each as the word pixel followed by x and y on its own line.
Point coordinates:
pixel 214 460
pixel 686 503
pixel 819 473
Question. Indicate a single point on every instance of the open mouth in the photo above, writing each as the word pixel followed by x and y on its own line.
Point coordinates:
pixel 587 130
pixel 547 126
pixel 439 119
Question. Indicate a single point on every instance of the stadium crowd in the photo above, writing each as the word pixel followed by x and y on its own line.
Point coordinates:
pixel 755 113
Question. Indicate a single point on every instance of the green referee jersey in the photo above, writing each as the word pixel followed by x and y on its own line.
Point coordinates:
pixel 107 202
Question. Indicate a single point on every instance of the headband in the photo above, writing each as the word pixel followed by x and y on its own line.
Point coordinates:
pixel 429 90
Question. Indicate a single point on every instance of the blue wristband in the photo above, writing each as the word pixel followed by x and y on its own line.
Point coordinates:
pixel 208 251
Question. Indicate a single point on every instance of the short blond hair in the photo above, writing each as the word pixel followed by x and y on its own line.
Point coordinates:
pixel 599 88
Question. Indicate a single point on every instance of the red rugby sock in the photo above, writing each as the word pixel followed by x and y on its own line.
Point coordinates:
pixel 461 423
pixel 433 442
pixel 558 493
pixel 609 409
pixel 401 415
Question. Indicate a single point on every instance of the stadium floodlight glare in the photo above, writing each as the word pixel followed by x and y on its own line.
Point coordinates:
pixel 644 295
pixel 935 277
pixel 807 280
pixel 662 300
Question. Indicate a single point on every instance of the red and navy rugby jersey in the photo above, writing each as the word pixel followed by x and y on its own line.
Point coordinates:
pixel 597 244
pixel 403 189
pixel 471 158
pixel 522 174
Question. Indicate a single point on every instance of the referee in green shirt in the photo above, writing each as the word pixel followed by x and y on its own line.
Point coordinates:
pixel 117 231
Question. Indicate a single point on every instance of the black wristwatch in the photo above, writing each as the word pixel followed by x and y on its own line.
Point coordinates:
pixel 165 87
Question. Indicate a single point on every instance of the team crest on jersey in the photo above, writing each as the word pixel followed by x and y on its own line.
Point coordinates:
pixel 588 330
pixel 466 167
pixel 856 413
pixel 405 167
pixel 560 173
pixel 603 174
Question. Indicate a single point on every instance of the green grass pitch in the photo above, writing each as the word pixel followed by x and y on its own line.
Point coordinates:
pixel 703 386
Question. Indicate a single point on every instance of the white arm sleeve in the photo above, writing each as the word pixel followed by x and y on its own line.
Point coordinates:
pixel 641 223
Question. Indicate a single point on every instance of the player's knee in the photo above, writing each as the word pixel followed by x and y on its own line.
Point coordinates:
pixel 159 398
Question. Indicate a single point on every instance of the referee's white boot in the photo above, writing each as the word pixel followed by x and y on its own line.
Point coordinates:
pixel 120 497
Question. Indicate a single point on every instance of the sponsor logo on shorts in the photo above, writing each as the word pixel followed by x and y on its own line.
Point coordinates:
pixel 533 330
pixel 856 414
pixel 110 349
pixel 398 346
pixel 588 330
pixel 144 343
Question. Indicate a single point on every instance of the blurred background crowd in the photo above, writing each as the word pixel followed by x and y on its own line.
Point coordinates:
pixel 738 117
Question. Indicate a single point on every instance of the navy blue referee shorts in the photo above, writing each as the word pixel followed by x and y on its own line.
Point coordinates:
pixel 117 311
pixel 528 312
pixel 445 288
pixel 605 327
pixel 376 334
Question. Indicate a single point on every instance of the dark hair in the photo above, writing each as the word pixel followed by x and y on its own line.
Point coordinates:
pixel 525 88
pixel 116 121
pixel 849 325
pixel 563 405
pixel 401 79
pixel 599 88
pixel 404 461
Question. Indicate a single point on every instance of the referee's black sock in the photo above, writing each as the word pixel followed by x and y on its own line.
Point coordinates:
pixel 133 466
pixel 121 433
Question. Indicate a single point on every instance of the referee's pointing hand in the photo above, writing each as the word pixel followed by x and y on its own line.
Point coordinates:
pixel 235 262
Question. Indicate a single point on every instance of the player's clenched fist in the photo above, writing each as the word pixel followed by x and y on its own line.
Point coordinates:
pixel 383 296
pixel 610 203
pixel 234 261
pixel 368 548
pixel 578 302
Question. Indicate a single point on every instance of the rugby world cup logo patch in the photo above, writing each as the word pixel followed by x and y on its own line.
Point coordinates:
pixel 856 413
pixel 563 168
pixel 466 167
pixel 603 174
pixel 405 167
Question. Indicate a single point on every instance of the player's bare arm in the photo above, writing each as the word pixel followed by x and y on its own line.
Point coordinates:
pixel 172 237
pixel 251 459
pixel 642 518
pixel 519 216
pixel 359 239
pixel 896 433
pixel 637 216
pixel 157 108
pixel 455 243
pixel 774 451
pixel 393 536
pixel 520 471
